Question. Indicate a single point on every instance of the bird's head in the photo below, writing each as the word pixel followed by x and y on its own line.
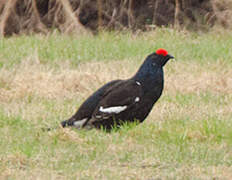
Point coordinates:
pixel 159 58
pixel 152 63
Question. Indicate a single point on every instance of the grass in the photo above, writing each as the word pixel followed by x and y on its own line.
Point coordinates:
pixel 43 80
pixel 117 46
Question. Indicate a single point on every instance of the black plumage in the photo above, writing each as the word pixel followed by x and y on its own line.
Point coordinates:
pixel 122 101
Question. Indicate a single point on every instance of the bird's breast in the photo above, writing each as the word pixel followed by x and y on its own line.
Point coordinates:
pixel 154 84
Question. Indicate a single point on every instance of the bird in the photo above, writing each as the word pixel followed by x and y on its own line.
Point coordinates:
pixel 120 101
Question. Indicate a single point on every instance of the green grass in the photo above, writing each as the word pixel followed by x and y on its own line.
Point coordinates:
pixel 184 46
pixel 44 79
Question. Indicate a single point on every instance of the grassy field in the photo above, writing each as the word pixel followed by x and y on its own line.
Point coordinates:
pixel 44 79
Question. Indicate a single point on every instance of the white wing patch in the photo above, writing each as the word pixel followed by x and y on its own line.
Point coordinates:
pixel 137 99
pixel 137 82
pixel 98 116
pixel 80 123
pixel 115 109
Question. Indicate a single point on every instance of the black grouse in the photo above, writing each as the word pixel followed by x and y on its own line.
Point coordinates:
pixel 122 101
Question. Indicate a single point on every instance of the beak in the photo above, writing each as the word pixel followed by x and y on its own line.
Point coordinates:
pixel 170 56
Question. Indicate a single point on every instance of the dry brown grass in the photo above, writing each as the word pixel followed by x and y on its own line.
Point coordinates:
pixel 31 79
pixel 34 78
pixel 195 78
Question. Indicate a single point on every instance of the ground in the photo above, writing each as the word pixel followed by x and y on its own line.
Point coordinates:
pixel 44 79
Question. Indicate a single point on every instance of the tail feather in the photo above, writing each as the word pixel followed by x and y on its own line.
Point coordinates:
pixel 66 123
pixel 63 124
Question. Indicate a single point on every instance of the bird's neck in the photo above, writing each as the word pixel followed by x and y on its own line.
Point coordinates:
pixel 150 77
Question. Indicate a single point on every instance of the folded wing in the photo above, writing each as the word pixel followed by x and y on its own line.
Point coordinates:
pixel 117 102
